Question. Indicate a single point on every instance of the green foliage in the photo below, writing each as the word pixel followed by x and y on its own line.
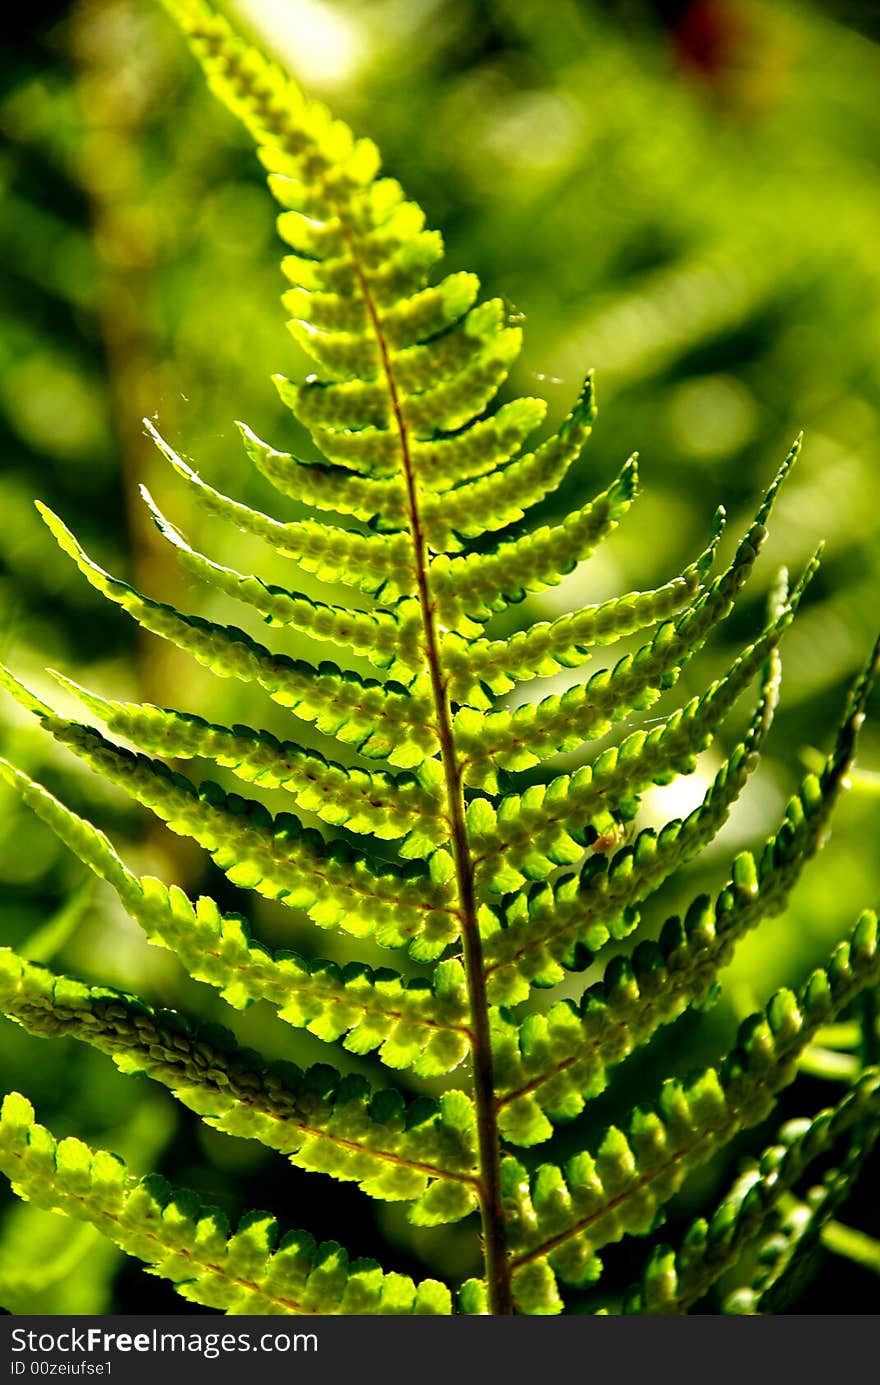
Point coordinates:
pixel 758 1208
pixel 245 1271
pixel 495 889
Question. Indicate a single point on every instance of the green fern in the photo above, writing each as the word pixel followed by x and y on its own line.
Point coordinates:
pixel 497 890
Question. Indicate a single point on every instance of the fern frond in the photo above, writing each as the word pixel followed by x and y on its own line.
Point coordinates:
pixel 375 564
pixel 440 463
pixel 500 891
pixel 544 648
pixel 551 927
pixel 319 1120
pixel 799 1228
pixel 383 637
pixel 560 1220
pixel 179 1238
pixel 504 495
pixel 407 321
pixel 549 1065
pixel 547 825
pixel 333 882
pixel 337 885
pixel 755 1207
pixel 474 586
pixel 379 501
pixel 333 412
pixel 371 802
pixel 489 443
pixel 382 721
pixel 413 1024
pixel 520 739
pixel 491 501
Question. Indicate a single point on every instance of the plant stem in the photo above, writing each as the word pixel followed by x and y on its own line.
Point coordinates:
pixel 494 1229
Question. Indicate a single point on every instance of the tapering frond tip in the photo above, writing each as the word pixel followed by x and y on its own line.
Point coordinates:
pixel 67 541
pixel 162 523
pixel 237 73
pixel 865 684
pixel 248 435
pixel 792 601
pixel 628 480
pixel 99 705
pixel 586 407
pixel 704 563
pixel 776 484
pixel 719 521
pixel 22 695
pixel 857 702
pixel 583 413
pixel 290 128
pixel 167 450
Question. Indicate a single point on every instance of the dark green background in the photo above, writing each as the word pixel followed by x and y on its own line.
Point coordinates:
pixel 686 198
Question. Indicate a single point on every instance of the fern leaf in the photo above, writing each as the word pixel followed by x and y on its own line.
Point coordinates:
pixel 411 319
pixel 543 649
pixel 317 1118
pixel 673 1281
pixel 372 563
pixel 403 410
pixel 485 445
pixel 382 721
pixel 520 739
pixel 336 885
pixel 441 463
pixel 561 1220
pixel 343 356
pixel 504 495
pixel 380 636
pixel 413 1024
pixel 475 585
pixel 373 802
pixel 548 1066
pixel 324 487
pixel 562 925
pixel 333 412
pixel 546 826
pixel 796 1231
pixel 241 1272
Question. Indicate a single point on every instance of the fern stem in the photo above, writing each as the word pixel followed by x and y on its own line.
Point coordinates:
pixel 494 1229
pixel 497 1263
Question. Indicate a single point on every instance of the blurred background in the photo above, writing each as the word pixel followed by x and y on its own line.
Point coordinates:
pixel 684 196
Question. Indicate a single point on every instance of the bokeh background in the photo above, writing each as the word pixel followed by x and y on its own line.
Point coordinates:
pixel 684 196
